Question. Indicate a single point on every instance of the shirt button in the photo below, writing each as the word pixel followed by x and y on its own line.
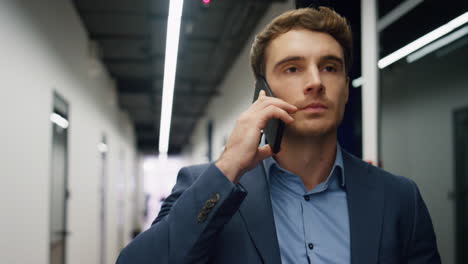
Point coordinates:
pixel 306 197
pixel 311 246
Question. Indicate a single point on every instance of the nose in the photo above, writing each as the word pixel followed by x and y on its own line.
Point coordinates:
pixel 313 81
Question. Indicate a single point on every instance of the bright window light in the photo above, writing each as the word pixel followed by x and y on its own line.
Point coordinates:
pixel 437 44
pixel 59 120
pixel 422 41
pixel 170 67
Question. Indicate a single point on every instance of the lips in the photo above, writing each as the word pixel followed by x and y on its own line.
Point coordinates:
pixel 315 106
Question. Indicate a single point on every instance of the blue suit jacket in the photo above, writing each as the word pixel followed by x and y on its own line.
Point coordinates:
pixel 207 219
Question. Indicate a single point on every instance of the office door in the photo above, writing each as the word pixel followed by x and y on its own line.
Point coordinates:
pixel 58 181
pixel 103 149
pixel 121 201
pixel 461 184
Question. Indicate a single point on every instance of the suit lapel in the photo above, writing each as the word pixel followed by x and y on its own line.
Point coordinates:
pixel 365 206
pixel 257 213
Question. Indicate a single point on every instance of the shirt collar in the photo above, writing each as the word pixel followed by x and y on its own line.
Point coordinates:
pixel 269 162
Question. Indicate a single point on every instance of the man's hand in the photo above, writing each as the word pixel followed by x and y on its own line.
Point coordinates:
pixel 242 152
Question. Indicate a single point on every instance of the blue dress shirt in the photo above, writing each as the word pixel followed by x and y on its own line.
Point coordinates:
pixel 312 226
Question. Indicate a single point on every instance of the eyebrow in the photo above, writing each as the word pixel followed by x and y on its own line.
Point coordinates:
pixel 301 58
pixel 288 59
pixel 332 58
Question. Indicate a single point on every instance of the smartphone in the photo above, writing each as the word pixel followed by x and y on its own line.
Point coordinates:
pixel 274 128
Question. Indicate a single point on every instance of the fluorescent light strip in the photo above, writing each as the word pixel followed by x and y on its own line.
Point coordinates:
pixel 396 13
pixel 437 44
pixel 170 67
pixel 59 120
pixel 422 41
pixel 459 44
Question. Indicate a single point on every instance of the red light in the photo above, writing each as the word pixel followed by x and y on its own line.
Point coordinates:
pixel 206 2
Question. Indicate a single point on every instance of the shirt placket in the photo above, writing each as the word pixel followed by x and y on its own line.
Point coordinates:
pixel 308 244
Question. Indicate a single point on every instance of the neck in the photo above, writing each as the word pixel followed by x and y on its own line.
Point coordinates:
pixel 310 158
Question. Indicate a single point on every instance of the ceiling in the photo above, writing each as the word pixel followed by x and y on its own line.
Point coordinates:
pixel 131 35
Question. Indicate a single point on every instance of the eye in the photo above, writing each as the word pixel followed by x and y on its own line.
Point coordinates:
pixel 291 69
pixel 330 68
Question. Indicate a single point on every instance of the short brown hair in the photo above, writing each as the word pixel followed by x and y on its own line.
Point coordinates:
pixel 321 19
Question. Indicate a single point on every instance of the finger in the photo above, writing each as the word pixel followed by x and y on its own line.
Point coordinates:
pixel 267 101
pixel 274 112
pixel 261 93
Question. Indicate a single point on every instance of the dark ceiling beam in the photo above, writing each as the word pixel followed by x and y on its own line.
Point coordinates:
pixel 130 13
pixel 176 113
pixel 160 77
pixel 186 115
pixel 130 89
pixel 135 80
pixel 134 89
pixel 194 95
pixel 119 36
pixel 129 81
pixel 129 36
pixel 148 128
pixel 141 85
pixel 117 12
pixel 144 127
pixel 149 147
pixel 147 59
pixel 192 127
pixel 189 104
pixel 203 39
pixel 128 60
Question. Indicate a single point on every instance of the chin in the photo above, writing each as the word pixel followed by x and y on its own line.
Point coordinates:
pixel 312 129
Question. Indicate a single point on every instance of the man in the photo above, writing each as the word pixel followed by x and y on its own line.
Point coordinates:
pixel 312 202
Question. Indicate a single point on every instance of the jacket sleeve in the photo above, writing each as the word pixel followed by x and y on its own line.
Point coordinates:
pixel 189 220
pixel 423 246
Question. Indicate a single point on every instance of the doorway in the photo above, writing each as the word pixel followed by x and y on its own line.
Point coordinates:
pixel 461 184
pixel 103 149
pixel 121 202
pixel 59 179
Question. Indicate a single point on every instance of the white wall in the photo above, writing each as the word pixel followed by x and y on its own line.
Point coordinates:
pixel 235 96
pixel 417 131
pixel 44 48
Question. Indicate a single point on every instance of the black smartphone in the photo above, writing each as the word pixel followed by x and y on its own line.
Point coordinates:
pixel 274 128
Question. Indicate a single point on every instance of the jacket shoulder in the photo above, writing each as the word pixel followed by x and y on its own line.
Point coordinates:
pixel 402 195
pixel 391 183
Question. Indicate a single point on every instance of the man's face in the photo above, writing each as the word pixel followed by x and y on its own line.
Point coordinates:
pixel 303 68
